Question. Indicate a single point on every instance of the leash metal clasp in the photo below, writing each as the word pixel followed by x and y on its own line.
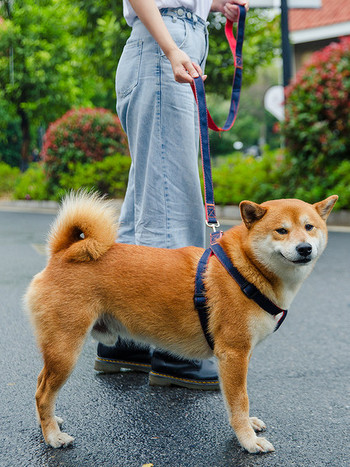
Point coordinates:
pixel 213 226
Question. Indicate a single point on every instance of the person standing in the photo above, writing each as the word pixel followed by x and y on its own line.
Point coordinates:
pixel 163 205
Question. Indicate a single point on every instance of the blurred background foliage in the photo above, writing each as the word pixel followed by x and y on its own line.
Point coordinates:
pixel 58 55
pixel 65 55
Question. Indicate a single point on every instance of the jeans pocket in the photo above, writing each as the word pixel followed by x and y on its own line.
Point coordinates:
pixel 128 70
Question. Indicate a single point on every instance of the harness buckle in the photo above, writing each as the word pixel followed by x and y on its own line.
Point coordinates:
pixel 215 236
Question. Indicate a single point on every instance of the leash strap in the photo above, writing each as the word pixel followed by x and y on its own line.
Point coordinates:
pixel 205 153
pixel 205 119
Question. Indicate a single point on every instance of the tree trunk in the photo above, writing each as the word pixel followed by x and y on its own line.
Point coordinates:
pixel 25 127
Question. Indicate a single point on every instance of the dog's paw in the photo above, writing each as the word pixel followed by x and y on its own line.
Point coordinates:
pixel 256 424
pixel 59 420
pixel 60 440
pixel 258 446
pixel 264 445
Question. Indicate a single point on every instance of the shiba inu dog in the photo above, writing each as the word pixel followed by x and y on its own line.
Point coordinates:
pixel 93 284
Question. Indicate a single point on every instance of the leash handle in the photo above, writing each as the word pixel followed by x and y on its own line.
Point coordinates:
pixel 236 46
pixel 206 121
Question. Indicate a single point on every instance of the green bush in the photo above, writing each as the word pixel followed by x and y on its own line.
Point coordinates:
pixel 10 132
pixel 32 184
pixel 340 183
pixel 8 178
pixel 310 186
pixel 317 125
pixel 81 136
pixel 239 177
pixel 10 144
pixel 272 176
pixel 235 178
pixel 108 176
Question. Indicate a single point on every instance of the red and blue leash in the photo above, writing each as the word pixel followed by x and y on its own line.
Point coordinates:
pixel 206 122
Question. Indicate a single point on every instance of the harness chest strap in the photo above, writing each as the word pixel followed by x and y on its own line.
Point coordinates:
pixel 249 289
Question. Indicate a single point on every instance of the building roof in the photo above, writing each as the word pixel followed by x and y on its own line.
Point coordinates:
pixel 332 12
pixel 332 20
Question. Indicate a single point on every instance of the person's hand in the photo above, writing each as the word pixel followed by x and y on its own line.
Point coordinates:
pixel 183 68
pixel 229 8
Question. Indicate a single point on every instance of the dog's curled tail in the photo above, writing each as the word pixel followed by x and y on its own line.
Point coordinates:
pixel 85 227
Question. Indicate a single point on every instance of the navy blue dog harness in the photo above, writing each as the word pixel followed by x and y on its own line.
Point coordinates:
pixel 249 289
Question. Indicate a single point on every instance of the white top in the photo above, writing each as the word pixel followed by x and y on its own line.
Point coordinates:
pixel 200 7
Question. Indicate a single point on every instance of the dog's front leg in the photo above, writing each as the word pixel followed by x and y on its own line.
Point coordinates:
pixel 233 365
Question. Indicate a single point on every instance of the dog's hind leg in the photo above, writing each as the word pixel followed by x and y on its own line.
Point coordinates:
pixel 59 420
pixel 60 354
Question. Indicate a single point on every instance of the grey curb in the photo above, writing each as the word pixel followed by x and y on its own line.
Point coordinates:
pixel 226 214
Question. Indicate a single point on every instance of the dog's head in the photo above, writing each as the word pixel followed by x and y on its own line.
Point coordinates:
pixel 287 233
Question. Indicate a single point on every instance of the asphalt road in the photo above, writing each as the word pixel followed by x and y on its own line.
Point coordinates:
pixel 298 382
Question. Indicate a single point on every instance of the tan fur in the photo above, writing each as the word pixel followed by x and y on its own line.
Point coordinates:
pixel 147 293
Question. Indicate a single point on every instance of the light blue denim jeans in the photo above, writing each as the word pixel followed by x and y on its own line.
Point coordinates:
pixel 163 204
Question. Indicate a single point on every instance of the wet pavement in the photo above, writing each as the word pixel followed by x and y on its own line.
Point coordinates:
pixel 298 382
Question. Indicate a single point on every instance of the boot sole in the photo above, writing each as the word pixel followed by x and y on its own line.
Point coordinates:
pixel 158 379
pixel 105 365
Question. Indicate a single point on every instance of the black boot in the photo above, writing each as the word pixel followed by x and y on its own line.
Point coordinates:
pixel 124 354
pixel 169 370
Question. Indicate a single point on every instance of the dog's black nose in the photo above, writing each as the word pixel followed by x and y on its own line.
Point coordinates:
pixel 304 249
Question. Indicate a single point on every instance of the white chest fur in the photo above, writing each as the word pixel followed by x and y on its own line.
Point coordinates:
pixel 262 326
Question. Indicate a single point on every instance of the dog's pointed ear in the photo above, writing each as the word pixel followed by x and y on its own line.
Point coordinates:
pixel 251 212
pixel 324 207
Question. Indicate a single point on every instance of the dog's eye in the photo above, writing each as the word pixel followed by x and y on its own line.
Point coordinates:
pixel 282 231
pixel 309 226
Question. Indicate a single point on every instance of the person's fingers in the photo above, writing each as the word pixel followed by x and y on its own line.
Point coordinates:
pixel 182 76
pixel 244 3
pixel 184 73
pixel 231 10
pixel 183 68
pixel 198 69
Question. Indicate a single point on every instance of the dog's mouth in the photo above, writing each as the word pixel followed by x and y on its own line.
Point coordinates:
pixel 305 260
